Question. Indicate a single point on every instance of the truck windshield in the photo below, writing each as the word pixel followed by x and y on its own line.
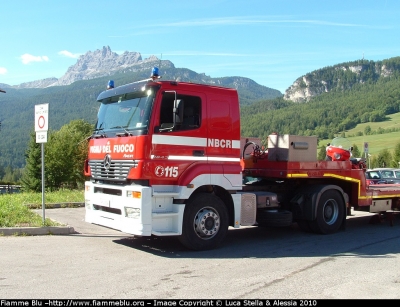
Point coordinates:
pixel 128 112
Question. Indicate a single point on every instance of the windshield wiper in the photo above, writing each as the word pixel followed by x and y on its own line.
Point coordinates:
pixel 126 133
pixel 99 133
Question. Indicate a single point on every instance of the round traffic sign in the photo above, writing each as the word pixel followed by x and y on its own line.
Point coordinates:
pixel 41 117
pixel 41 122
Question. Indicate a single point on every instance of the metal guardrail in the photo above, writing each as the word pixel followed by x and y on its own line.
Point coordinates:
pixel 9 189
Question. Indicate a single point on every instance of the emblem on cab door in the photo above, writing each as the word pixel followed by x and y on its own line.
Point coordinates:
pixel 159 171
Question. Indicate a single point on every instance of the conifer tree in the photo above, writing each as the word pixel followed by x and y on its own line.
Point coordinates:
pixel 32 177
pixel 396 156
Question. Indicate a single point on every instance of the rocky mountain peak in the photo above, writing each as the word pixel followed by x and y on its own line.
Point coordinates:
pixel 99 63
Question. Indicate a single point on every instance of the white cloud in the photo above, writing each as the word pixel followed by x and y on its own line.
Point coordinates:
pixel 250 20
pixel 69 54
pixel 27 58
pixel 3 71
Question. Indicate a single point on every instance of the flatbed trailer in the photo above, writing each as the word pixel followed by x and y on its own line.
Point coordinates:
pixel 300 184
pixel 353 181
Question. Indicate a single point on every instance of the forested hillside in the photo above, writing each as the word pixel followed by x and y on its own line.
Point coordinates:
pixel 341 77
pixel 327 114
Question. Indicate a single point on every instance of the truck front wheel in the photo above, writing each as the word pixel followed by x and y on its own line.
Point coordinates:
pixel 330 213
pixel 205 222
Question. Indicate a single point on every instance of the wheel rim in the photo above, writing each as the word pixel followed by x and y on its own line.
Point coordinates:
pixel 206 223
pixel 330 211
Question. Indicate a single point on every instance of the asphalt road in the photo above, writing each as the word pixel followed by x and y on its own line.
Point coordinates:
pixel 362 262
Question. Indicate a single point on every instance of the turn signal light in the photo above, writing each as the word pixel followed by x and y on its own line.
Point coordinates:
pixel 134 194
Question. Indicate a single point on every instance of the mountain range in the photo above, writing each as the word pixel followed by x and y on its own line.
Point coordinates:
pixel 73 96
pixel 105 63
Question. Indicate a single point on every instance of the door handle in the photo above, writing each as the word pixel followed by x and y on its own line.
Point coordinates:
pixel 198 153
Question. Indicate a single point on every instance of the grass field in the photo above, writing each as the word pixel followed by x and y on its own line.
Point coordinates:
pixel 376 142
pixel 15 210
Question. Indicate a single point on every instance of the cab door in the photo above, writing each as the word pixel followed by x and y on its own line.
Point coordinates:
pixel 179 141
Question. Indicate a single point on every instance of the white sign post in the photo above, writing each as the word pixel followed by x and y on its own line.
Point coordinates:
pixel 41 127
pixel 366 154
pixel 366 147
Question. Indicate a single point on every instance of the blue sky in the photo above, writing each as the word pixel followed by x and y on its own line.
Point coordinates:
pixel 272 42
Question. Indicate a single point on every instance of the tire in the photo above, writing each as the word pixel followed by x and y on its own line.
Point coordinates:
pixel 274 218
pixel 205 222
pixel 330 213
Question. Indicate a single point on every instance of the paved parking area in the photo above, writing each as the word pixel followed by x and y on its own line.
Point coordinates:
pixel 252 263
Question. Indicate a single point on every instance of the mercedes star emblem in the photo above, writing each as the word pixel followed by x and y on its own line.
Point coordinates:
pixel 107 162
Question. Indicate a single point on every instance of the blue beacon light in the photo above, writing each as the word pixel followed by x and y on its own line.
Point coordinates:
pixel 110 84
pixel 154 73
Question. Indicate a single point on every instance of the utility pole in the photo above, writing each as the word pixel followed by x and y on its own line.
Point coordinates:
pixel 1 91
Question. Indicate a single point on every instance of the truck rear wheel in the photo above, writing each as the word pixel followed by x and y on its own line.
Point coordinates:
pixel 330 213
pixel 205 222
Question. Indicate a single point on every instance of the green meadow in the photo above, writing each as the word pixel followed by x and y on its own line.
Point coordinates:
pixel 376 142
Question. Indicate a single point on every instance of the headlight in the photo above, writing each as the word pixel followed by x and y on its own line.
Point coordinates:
pixel 87 204
pixel 133 213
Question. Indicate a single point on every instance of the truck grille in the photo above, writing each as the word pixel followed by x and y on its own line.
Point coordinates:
pixel 118 169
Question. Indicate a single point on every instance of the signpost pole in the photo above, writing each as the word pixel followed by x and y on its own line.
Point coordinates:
pixel 43 203
pixel 366 154
pixel 41 127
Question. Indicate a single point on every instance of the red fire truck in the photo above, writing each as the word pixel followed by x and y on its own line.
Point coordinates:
pixel 167 159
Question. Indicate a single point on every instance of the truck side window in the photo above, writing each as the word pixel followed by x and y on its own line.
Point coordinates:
pixel 187 113
pixel 191 113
